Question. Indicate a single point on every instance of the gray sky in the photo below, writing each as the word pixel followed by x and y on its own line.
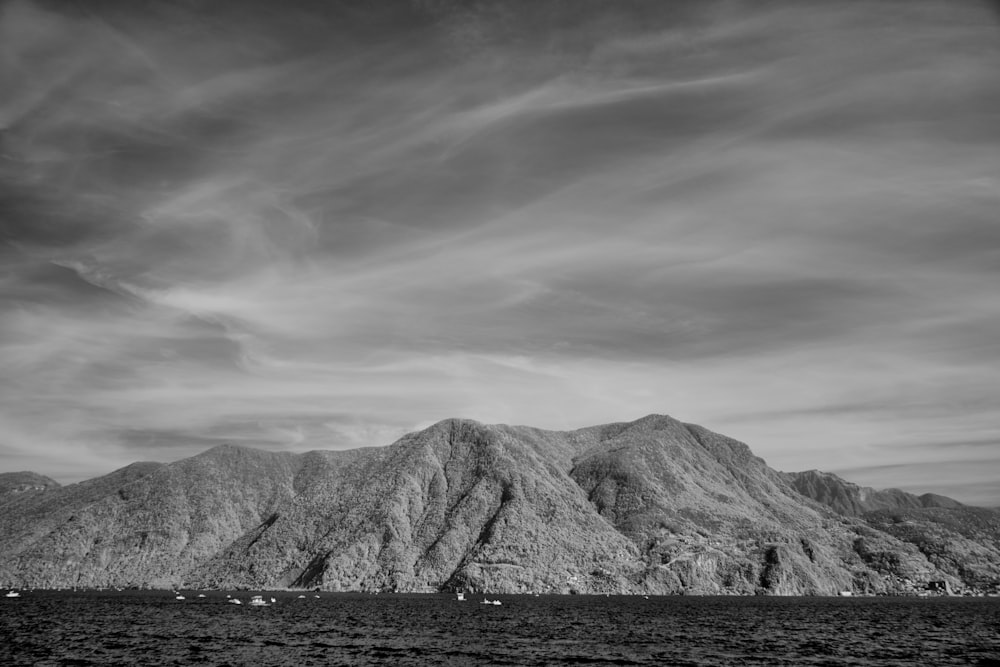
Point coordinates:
pixel 305 225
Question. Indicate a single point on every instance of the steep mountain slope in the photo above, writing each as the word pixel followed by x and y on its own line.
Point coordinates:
pixel 653 505
pixel 959 541
pixel 456 505
pixel 147 523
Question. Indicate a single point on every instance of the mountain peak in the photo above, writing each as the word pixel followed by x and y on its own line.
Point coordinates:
pixel 653 422
pixel 226 448
pixel 24 481
pixel 935 500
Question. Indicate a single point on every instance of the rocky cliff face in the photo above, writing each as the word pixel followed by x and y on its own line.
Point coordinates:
pixel 651 506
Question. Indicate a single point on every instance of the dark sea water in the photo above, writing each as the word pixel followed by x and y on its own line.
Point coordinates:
pixel 152 628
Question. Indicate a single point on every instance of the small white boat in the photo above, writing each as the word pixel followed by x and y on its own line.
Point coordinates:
pixel 258 601
pixel 234 601
pixel 461 596
pixel 493 602
pixel 12 594
pixel 845 594
pixel 180 597
pixel 201 595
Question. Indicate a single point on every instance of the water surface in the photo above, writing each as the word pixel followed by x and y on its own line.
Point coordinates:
pixel 152 628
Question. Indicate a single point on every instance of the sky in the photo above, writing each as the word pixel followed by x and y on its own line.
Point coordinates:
pixel 308 225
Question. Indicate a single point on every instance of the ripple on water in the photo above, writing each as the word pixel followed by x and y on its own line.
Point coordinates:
pixel 152 628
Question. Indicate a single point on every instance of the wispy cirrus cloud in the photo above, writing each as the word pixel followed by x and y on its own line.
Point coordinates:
pixel 326 225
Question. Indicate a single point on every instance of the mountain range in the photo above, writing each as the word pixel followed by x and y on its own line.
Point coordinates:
pixel 653 506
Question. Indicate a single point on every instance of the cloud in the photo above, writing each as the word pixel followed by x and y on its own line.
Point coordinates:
pixel 326 225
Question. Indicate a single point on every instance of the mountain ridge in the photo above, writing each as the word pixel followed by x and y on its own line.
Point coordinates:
pixel 849 498
pixel 649 506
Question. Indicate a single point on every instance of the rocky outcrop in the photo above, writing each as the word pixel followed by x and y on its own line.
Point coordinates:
pixel 651 506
